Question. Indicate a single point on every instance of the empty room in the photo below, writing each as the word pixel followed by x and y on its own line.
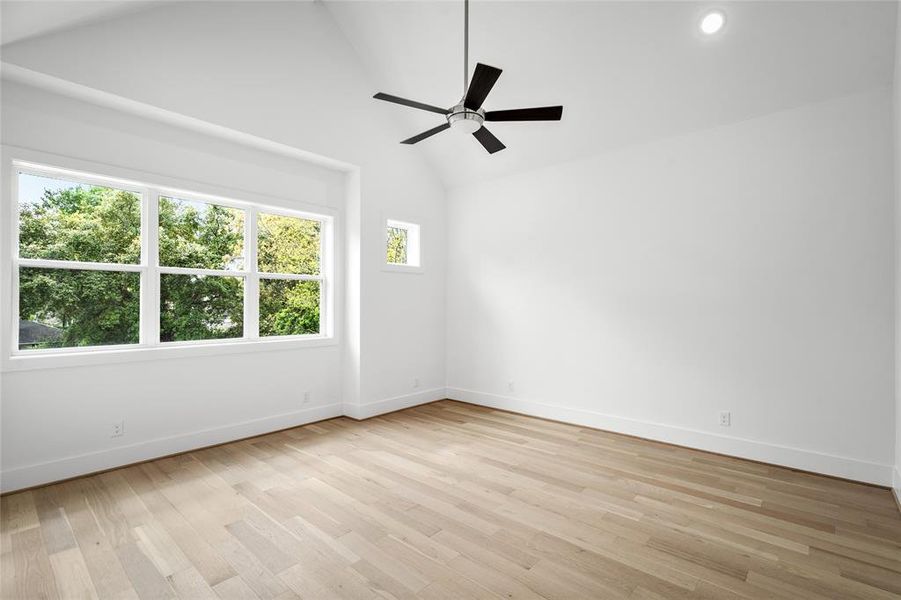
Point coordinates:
pixel 450 299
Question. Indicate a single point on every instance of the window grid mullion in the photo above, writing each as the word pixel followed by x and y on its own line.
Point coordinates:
pixel 76 265
pixel 150 296
pixel 323 283
pixel 292 276
pixel 14 253
pixel 327 272
pixel 252 281
pixel 193 271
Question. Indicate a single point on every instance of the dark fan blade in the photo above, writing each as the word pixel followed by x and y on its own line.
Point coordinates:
pixel 411 103
pixel 482 81
pixel 487 139
pixel 543 113
pixel 425 134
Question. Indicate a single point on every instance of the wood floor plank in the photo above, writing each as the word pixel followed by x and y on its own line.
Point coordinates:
pixel 54 526
pixel 270 555
pixel 107 574
pixel 32 574
pixel 148 583
pixel 190 584
pixel 17 512
pixel 235 589
pixel 450 500
pixel 262 581
pixel 72 577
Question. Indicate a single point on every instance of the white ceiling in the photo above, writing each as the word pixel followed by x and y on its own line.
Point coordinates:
pixel 626 72
pixel 23 19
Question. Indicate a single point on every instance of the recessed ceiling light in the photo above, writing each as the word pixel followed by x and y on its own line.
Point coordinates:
pixel 712 22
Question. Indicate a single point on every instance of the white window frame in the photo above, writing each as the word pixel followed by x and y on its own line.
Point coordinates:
pixel 414 247
pixel 257 275
pixel 149 345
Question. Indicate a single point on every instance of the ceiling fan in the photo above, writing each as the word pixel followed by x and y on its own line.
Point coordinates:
pixel 468 116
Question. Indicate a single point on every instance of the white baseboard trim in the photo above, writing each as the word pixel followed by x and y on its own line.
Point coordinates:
pixel 896 485
pixel 91 462
pixel 57 470
pixel 807 460
pixel 73 466
pixel 372 409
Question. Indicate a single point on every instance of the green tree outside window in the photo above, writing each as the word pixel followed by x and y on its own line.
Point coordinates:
pixel 67 307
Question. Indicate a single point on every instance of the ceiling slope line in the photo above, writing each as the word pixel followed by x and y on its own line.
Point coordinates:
pixel 64 87
pixel 43 19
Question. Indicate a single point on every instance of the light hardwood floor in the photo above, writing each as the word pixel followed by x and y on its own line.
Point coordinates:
pixel 451 501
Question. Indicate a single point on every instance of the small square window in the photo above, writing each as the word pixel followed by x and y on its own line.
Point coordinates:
pixel 402 244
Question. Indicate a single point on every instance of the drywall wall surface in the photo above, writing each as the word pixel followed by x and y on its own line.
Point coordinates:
pixel 56 422
pixel 226 63
pixel 746 268
pixel 897 164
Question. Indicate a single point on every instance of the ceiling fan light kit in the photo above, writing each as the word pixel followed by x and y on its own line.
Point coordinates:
pixel 464 120
pixel 468 116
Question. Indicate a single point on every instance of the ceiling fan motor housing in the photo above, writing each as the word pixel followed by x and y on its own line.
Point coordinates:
pixel 464 119
pixel 468 116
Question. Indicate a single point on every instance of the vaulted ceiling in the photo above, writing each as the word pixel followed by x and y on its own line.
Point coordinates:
pixel 23 19
pixel 626 72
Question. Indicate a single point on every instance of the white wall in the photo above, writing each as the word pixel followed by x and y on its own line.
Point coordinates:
pixel 745 268
pixel 56 421
pixel 226 63
pixel 897 164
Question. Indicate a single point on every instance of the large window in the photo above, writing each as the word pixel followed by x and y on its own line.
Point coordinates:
pixel 101 263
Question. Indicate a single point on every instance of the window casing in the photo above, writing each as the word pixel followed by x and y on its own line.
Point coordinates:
pixel 402 246
pixel 150 275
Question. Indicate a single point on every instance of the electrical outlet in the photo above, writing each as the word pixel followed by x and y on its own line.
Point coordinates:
pixel 725 418
pixel 415 382
pixel 510 386
pixel 118 429
pixel 306 397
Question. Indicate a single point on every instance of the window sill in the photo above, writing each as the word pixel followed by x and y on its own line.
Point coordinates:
pixel 394 268
pixel 108 355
